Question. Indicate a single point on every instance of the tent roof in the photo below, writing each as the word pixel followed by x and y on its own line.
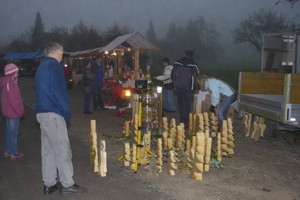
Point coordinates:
pixel 20 56
pixel 132 40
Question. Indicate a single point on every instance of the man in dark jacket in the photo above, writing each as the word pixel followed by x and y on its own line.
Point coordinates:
pixel 97 70
pixel 53 111
pixel 184 75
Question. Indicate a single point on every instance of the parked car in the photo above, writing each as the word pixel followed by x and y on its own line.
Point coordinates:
pixel 27 70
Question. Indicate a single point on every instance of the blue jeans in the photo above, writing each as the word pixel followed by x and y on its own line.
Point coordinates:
pixel 184 98
pixel 11 135
pixel 86 101
pixel 224 106
pixel 168 100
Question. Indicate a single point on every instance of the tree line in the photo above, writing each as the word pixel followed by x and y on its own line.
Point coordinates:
pixel 197 34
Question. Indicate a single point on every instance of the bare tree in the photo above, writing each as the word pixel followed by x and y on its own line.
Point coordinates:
pixel 113 31
pixel 83 36
pixel 292 2
pixel 251 29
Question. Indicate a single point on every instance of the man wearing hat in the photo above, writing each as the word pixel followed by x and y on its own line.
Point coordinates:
pixel 12 109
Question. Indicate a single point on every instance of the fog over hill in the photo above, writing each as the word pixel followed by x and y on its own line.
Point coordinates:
pixel 17 15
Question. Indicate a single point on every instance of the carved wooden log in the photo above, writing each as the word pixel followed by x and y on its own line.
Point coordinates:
pixel 103 159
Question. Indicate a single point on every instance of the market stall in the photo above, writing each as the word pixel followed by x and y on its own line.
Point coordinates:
pixel 121 63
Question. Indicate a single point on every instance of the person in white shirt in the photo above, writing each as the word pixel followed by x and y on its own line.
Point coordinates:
pixel 168 89
pixel 221 93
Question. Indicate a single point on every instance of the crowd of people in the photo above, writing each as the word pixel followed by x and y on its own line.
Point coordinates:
pixel 53 109
pixel 185 78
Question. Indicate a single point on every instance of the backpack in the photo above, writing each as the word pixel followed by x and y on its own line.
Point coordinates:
pixel 183 76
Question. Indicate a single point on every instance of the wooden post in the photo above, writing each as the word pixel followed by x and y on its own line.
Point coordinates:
pixel 199 156
pixel 127 157
pixel 159 161
pixel 214 124
pixel 133 157
pixel 136 63
pixel 165 139
pixel 94 147
pixel 172 162
pixel 230 137
pixel 103 159
pixel 126 129
pixel 219 147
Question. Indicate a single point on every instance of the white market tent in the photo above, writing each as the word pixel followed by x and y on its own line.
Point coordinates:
pixel 135 42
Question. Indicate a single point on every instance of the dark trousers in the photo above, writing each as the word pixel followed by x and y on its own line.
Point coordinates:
pixel 86 101
pixel 97 98
pixel 184 100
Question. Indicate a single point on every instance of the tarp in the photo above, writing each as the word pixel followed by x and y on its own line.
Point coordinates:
pixel 23 56
pixel 131 40
pixel 135 40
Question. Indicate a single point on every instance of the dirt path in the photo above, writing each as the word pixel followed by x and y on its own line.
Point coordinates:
pixel 264 169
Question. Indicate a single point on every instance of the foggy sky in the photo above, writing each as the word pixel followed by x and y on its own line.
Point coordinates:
pixel 17 15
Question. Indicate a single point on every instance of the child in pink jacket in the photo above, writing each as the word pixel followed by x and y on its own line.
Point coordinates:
pixel 12 109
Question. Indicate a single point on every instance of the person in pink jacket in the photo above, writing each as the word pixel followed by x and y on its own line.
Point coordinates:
pixel 12 109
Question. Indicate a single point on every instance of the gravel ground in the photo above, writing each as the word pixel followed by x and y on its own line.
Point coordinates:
pixel 263 169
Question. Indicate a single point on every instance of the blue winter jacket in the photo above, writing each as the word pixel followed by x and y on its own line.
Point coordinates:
pixel 99 75
pixel 51 89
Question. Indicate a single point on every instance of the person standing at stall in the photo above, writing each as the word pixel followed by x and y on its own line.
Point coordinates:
pixel 97 70
pixel 222 94
pixel 168 89
pixel 87 79
pixel 184 75
pixel 53 114
pixel 12 109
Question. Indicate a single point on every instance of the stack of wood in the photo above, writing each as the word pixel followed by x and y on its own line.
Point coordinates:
pixel 191 122
pixel 201 122
pixel 133 157
pixel 172 162
pixel 206 121
pixel 179 137
pixel 199 155
pixel 126 129
pixel 165 139
pixel 172 133
pixel 126 158
pixel 225 148
pixel 214 125
pixel 135 128
pixel 230 136
pixel 146 142
pixel 94 147
pixel 165 124
pixel 159 161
